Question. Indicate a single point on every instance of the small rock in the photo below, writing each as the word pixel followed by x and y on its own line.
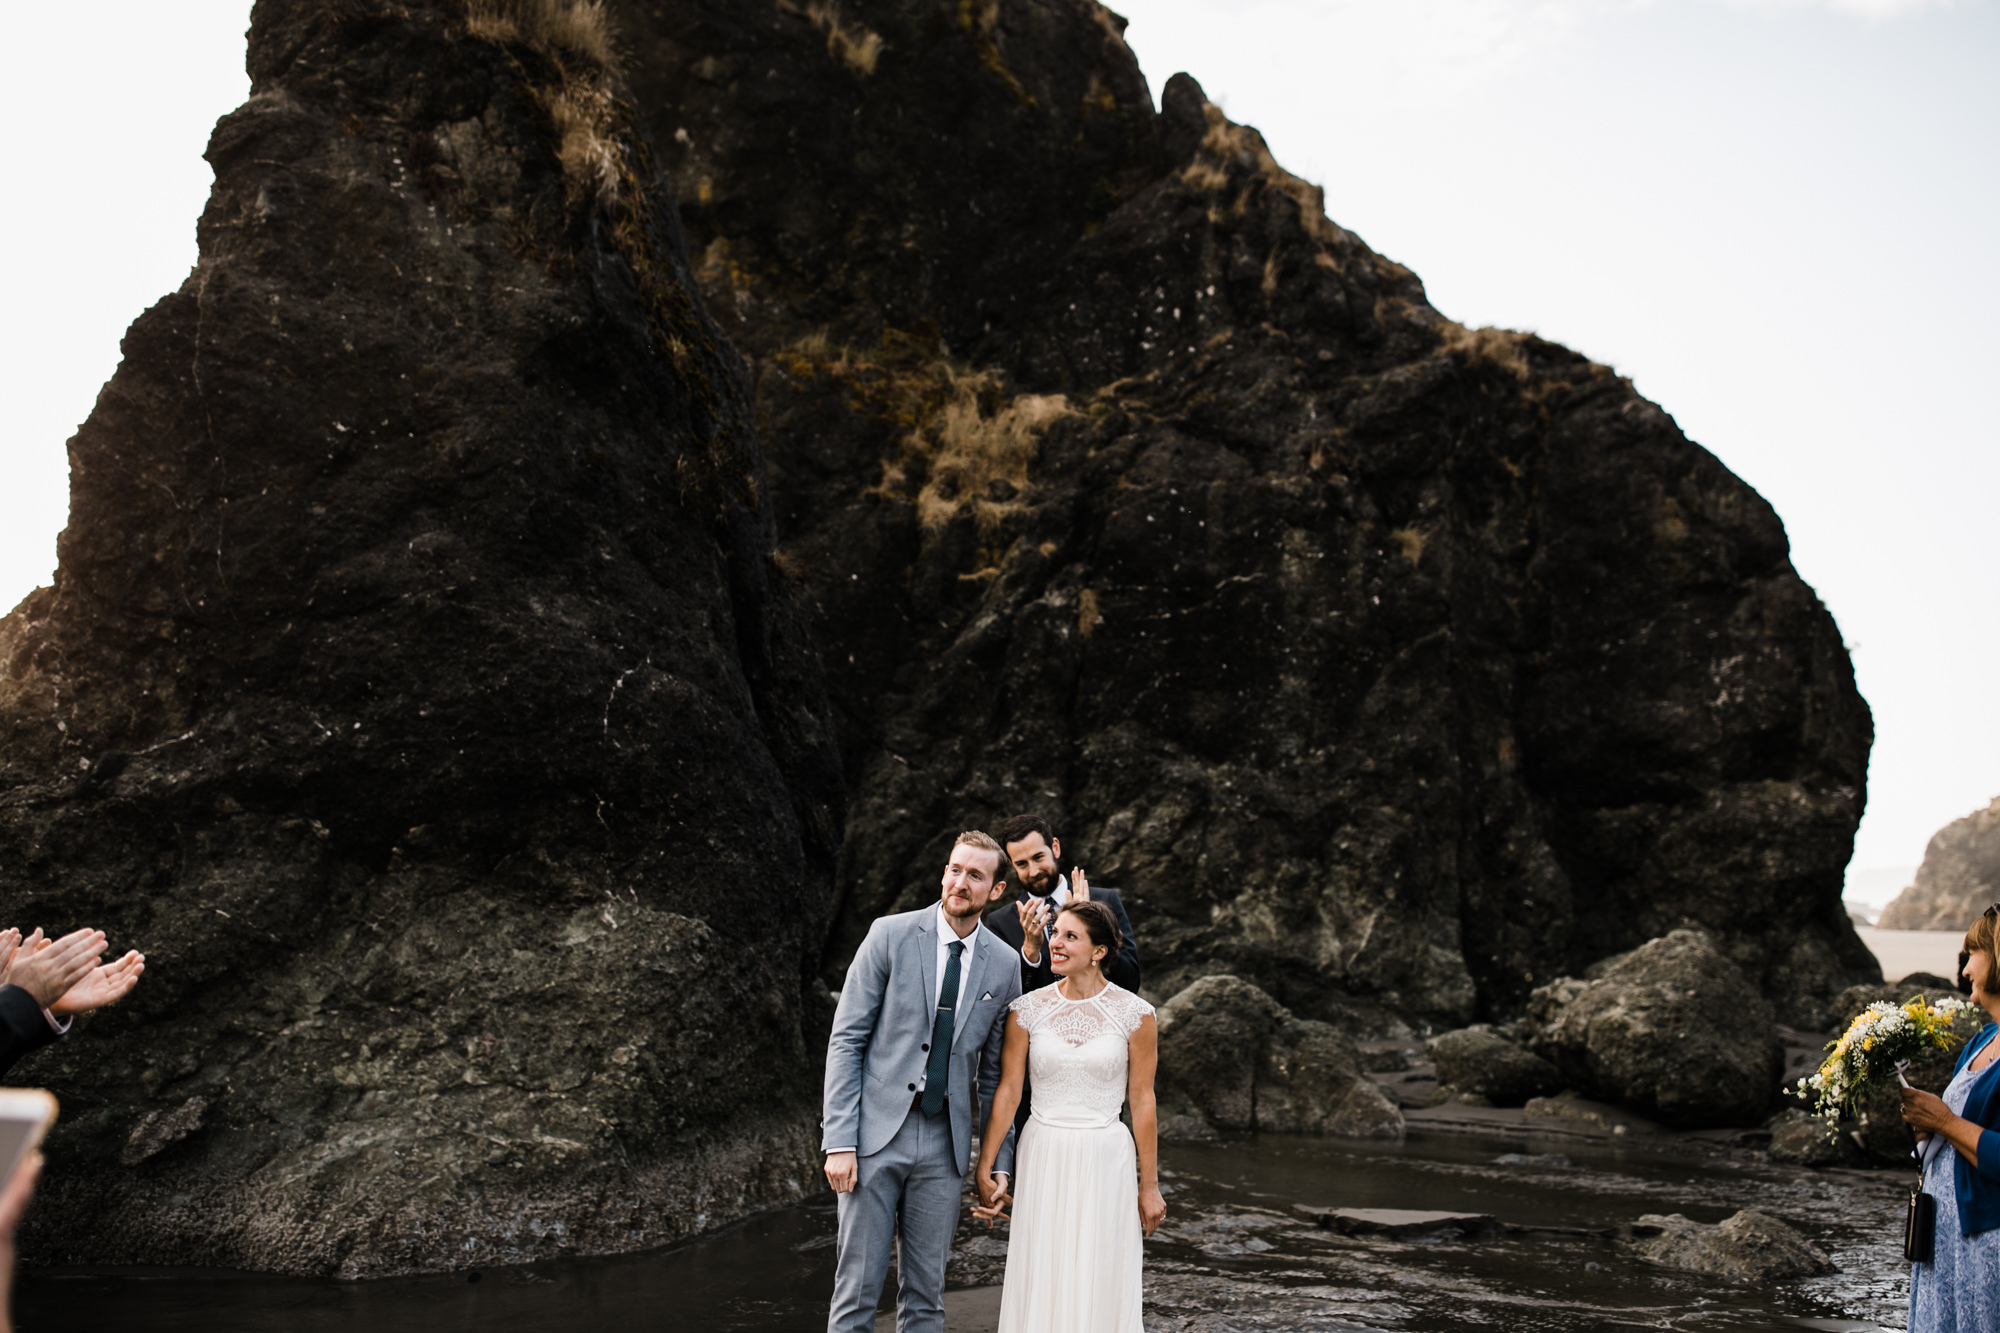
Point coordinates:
pixel 1802 1140
pixel 1481 1061
pixel 1231 1057
pixel 1749 1246
pixel 1403 1222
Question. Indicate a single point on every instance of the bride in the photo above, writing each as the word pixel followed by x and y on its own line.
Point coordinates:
pixel 1085 1194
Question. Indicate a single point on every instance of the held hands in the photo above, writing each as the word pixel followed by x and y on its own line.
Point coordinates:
pixel 841 1170
pixel 1152 1208
pixel 993 1199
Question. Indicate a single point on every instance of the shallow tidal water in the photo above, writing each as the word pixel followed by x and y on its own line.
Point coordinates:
pixel 1239 1252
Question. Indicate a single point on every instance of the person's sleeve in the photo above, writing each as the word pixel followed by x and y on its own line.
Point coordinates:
pixel 853 1028
pixel 1989 1154
pixel 989 1082
pixel 1125 971
pixel 24 1025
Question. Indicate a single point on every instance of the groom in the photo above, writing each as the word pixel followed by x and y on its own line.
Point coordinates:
pixel 921 1021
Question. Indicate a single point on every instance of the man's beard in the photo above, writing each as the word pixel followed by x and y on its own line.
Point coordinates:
pixel 1042 885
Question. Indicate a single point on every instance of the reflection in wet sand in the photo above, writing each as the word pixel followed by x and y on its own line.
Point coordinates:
pixel 1243 1249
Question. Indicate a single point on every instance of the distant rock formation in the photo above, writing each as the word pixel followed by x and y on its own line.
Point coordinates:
pixel 1959 879
pixel 1368 654
pixel 415 690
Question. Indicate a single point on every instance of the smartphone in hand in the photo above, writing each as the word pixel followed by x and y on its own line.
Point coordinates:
pixel 25 1115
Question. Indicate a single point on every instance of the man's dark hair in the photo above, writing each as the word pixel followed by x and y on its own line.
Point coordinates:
pixel 1020 826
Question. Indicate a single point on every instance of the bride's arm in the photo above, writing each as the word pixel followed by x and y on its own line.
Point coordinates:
pixel 1144 1050
pixel 1000 1117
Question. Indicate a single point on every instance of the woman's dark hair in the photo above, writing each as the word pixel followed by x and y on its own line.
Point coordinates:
pixel 1982 938
pixel 1098 923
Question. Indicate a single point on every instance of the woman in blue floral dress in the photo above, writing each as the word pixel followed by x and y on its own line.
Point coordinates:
pixel 1959 1290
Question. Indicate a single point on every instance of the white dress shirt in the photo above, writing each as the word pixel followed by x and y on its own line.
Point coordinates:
pixel 946 937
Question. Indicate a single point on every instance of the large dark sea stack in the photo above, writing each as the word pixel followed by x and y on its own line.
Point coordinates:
pixel 416 692
pixel 1366 653
pixel 1960 876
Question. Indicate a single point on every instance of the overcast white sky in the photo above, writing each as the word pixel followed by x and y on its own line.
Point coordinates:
pixel 1776 216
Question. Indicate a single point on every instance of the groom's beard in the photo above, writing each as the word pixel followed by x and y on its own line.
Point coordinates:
pixel 1042 885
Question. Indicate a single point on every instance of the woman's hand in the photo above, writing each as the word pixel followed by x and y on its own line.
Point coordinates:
pixel 1152 1208
pixel 993 1201
pixel 1926 1112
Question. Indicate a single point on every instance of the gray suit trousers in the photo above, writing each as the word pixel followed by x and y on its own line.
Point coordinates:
pixel 909 1191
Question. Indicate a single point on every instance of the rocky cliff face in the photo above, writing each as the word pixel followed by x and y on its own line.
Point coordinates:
pixel 1959 879
pixel 1366 653
pixel 415 691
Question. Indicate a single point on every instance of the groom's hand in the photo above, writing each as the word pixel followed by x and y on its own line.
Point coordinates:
pixel 841 1171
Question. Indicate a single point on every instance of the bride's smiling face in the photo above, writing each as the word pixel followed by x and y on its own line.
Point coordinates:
pixel 1070 949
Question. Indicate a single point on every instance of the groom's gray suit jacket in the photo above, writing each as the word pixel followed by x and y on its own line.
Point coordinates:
pixel 881 1030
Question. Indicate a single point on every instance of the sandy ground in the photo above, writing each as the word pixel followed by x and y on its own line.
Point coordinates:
pixel 1902 952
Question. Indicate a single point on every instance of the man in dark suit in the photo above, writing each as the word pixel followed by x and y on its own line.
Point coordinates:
pixel 1036 855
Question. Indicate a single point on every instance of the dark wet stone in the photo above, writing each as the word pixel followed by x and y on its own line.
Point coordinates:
pixel 1749 1246
pixel 1405 1222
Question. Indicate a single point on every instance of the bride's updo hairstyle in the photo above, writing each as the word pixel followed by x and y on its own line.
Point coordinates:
pixel 1098 923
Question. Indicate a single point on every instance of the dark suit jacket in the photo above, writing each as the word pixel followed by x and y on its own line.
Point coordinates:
pixel 1122 970
pixel 23 1028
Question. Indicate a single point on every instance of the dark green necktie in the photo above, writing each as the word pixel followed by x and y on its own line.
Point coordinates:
pixel 939 1069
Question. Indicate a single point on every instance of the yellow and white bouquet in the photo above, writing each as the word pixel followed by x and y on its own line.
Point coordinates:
pixel 1882 1039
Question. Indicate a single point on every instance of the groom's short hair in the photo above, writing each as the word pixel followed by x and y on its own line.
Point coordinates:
pixel 1020 826
pixel 984 841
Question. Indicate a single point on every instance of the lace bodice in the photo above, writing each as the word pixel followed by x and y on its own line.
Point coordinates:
pixel 1077 1052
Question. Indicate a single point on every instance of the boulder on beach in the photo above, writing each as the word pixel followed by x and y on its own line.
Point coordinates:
pixel 1231 1057
pixel 1802 1140
pixel 1073 391
pixel 1673 1029
pixel 1479 1060
pixel 1749 1246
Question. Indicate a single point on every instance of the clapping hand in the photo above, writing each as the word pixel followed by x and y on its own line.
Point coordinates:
pixel 1079 886
pixel 46 969
pixel 100 986
pixel 1034 914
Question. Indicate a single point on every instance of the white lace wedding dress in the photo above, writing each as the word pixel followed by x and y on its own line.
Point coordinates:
pixel 1073 1249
